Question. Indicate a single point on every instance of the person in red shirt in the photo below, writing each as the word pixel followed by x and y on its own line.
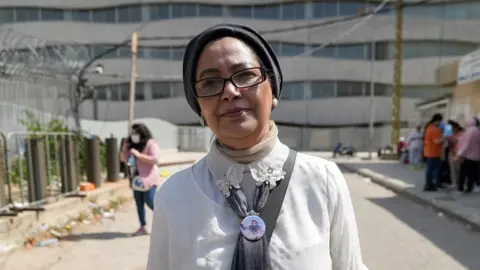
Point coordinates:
pixel 432 149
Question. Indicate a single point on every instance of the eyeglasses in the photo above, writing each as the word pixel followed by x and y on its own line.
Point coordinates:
pixel 242 79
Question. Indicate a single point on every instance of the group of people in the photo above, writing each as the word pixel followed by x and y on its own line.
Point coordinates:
pixel 451 153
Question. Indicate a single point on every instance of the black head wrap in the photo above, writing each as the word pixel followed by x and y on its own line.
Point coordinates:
pixel 252 38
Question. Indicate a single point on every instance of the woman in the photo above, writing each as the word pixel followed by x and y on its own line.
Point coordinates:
pixel 232 80
pixel 468 155
pixel 457 131
pixel 144 149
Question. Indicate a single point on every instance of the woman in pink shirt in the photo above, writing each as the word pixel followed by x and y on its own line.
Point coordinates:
pixel 468 155
pixel 145 151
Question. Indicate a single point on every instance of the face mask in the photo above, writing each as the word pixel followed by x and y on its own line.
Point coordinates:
pixel 135 138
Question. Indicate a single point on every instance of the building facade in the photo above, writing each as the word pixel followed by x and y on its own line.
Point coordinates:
pixel 326 92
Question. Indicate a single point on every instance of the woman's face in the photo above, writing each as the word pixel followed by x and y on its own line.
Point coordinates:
pixel 135 137
pixel 239 117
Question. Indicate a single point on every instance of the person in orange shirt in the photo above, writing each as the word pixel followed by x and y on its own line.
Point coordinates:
pixel 432 149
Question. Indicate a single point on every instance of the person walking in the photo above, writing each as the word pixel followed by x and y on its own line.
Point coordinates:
pixel 141 152
pixel 415 145
pixel 252 202
pixel 468 156
pixel 432 149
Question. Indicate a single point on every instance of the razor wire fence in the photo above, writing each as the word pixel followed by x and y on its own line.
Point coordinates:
pixel 38 76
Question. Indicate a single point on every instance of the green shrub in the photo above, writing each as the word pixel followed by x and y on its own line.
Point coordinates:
pixel 33 124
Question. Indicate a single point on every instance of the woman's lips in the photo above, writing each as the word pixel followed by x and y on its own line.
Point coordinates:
pixel 234 112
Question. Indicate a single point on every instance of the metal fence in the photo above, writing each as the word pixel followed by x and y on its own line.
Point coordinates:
pixel 35 75
pixel 38 167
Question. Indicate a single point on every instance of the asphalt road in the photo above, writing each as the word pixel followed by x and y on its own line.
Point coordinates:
pixel 396 234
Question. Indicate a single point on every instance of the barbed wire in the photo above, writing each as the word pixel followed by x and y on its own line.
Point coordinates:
pixel 32 58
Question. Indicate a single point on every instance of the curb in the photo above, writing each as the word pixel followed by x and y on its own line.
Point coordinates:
pixel 409 193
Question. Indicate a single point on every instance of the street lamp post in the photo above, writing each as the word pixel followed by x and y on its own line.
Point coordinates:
pixel 79 95
pixel 133 75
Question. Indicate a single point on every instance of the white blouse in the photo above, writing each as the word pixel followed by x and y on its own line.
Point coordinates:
pixel 194 228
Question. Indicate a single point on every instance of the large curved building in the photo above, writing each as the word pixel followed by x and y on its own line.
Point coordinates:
pixel 326 92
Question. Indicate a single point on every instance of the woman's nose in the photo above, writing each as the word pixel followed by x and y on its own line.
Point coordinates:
pixel 230 91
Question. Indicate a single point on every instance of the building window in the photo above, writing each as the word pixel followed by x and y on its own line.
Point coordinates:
pixel 184 10
pixel 292 49
pixel 52 14
pixel 266 12
pixel 322 90
pixel 159 11
pixel 124 52
pixel 160 90
pixel 177 89
pixel 130 13
pixel 104 15
pixel 139 91
pixel 160 53
pixel 6 15
pixel 177 53
pixel 329 51
pixel 99 49
pixel 124 91
pixel 380 89
pixel 27 14
pixel 101 93
pixel 81 15
pixel 324 9
pixel 277 47
pixel 143 52
pixel 293 11
pixel 209 10
pixel 293 91
pixel 352 51
pixel 350 9
pixel 241 12
pixel 350 89
pixel 115 93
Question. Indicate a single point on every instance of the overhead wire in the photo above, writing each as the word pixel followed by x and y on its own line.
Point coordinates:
pixel 367 15
pixel 347 32
pixel 308 25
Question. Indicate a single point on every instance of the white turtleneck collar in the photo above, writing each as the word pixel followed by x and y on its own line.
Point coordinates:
pixel 227 172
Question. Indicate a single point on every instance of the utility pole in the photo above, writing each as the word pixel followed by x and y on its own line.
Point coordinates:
pixel 397 77
pixel 133 75
pixel 372 94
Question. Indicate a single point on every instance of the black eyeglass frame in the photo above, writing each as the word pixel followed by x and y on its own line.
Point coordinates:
pixel 230 79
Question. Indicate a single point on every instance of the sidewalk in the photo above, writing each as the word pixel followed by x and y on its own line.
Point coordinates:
pixel 13 229
pixel 409 183
pixel 106 246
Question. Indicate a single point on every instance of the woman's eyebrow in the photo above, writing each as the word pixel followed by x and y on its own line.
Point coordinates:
pixel 208 71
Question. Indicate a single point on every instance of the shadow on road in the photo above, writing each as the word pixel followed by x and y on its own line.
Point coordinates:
pixel 452 238
pixel 96 236
pixel 392 170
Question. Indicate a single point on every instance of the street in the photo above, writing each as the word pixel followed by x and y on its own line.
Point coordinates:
pixel 396 234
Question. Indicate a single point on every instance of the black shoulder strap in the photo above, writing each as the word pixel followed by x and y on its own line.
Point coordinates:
pixel 271 210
